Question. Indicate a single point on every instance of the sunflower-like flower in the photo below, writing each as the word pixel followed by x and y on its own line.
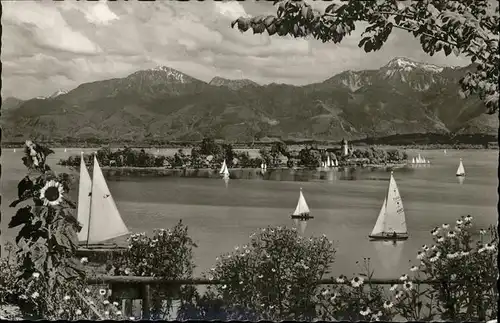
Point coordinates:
pixel 52 193
pixel 356 281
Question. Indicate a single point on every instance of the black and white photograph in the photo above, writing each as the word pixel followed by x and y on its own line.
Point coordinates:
pixel 250 160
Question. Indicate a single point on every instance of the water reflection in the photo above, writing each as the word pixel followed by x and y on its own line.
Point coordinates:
pixel 226 181
pixel 389 253
pixel 301 224
pixel 461 179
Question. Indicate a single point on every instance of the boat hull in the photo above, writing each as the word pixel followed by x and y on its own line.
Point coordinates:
pixel 302 217
pixel 460 175
pixel 389 237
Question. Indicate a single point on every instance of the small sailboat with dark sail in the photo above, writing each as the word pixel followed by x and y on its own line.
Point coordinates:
pixel 391 221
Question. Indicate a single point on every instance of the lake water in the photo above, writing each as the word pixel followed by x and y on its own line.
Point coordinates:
pixel 221 217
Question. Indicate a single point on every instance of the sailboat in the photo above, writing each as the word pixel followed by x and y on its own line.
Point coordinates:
pixel 461 169
pixel 391 221
pixel 413 160
pixel 65 150
pixel 302 210
pixel 97 211
pixel 224 171
pixel 14 149
pixel 445 151
pixel 328 162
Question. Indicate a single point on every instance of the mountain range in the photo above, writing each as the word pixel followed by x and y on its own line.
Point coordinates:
pixel 400 97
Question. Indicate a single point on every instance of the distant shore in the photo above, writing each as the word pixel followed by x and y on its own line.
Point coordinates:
pixel 236 173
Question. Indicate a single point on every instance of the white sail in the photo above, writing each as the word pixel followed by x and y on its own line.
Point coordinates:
pixel 336 162
pixel 445 151
pixel 223 167
pixel 461 169
pixel 226 174
pixel 392 215
pixel 302 208
pixel 105 219
pixel 84 190
pixel 14 149
pixel 379 225
pixel 328 162
pixel 65 150
pixel 265 166
pixel 261 165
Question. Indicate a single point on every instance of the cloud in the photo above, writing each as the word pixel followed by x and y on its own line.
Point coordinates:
pixel 59 45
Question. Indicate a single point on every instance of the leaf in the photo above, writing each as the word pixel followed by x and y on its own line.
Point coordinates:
pixel 22 216
pixel 447 50
pixel 24 185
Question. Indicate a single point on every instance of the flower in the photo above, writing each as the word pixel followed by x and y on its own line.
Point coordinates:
pixel 325 292
pixel 224 286
pixel 340 279
pixel 87 290
pixel 459 222
pixel 365 311
pixel 84 260
pixel 451 234
pixel 393 287
pixel 115 303
pixel 482 232
pixel 35 295
pixel 260 276
pixel 398 294
pixel 273 270
pixel 102 292
pixel 468 218
pixel 78 312
pixel 357 281
pixel 388 304
pixel 35 275
pixel 489 246
pixel 66 298
pixel 403 277
pixel 464 253
pixel 420 255
pixel 408 285
pixel 52 193
pixel 236 248
pixel 435 231
pixel 425 248
pixel 106 313
pixel 440 239
pixel 105 302
pixel 414 268
pixel 334 296
pixel 445 226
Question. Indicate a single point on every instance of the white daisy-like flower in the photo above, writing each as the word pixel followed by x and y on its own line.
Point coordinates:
pixel 325 292
pixel 357 281
pixel 102 292
pixel 425 248
pixel 365 311
pixel 260 276
pixel 433 247
pixel 434 258
pixel 468 218
pixel 435 231
pixel 236 248
pixel 84 260
pixel 106 313
pixel 35 295
pixel 35 275
pixel 118 313
pixel 458 229
pixel 66 298
pixel 445 226
pixel 440 239
pixel 115 303
pixel 420 255
pixel 52 193
pixel 87 290
pixel 334 296
pixel 273 270
pixel 489 246
pixel 388 304
pixel 393 287
pixel 403 277
pixel 224 286
pixel 482 232
pixel 247 251
pixel 464 253
pixel 127 271
pixel 451 234
pixel 245 246
pixel 340 279
pixel 459 222
pixel 414 268
pixel 105 302
pixel 408 285
pixel 78 312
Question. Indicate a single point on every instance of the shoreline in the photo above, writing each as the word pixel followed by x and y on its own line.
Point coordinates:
pixel 236 173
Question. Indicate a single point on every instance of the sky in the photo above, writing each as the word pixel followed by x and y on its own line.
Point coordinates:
pixel 49 46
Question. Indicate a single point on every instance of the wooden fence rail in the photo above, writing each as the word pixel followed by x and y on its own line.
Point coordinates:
pixel 139 287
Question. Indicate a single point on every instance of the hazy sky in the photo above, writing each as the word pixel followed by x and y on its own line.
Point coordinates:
pixel 49 45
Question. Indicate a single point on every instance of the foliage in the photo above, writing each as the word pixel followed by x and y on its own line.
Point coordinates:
pixel 462 27
pixel 167 254
pixel 125 157
pixel 309 157
pixel 380 156
pixel 273 278
pixel 41 276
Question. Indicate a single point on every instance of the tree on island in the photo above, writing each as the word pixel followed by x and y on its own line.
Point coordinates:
pixel 462 27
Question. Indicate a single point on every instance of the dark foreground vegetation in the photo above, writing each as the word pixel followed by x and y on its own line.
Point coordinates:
pixel 272 277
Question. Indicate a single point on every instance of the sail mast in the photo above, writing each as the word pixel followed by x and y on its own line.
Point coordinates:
pixel 84 192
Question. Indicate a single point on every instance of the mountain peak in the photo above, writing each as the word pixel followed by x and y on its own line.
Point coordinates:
pixel 406 64
pixel 57 93
pixel 231 84
pixel 163 72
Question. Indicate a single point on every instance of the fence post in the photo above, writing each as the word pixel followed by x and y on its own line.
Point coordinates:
pixel 146 301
